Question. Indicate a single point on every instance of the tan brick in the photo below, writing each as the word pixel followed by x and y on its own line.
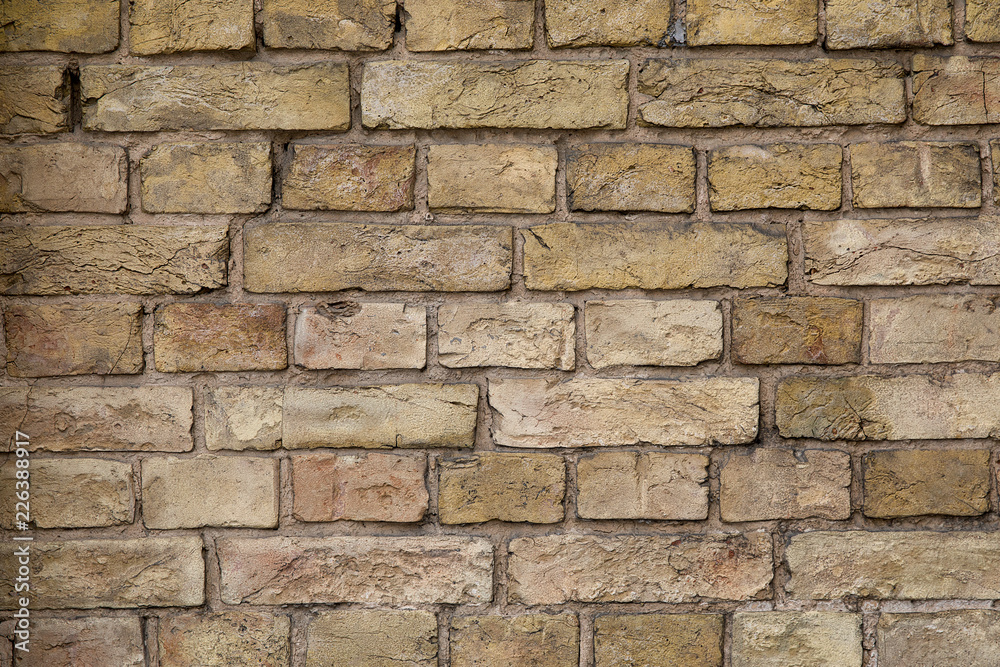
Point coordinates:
pixel 902 252
pixel 956 91
pixel 593 412
pixel 519 335
pixel 104 338
pixel 901 483
pixel 222 96
pixel 962 405
pixel 207 178
pixel 630 177
pixel 751 22
pixel 888 23
pixel 658 640
pixel 770 93
pixel 508 487
pixel 533 94
pixel 193 25
pixel 492 178
pixel 775 176
pixel 365 487
pixel 348 334
pixel 982 23
pixel 797 330
pixel 243 418
pixel 607 23
pixel 210 337
pixel 936 328
pixel 373 639
pixel 63 177
pixel 225 491
pixel 69 26
pixel 34 100
pixel 911 565
pixel 797 639
pixel 678 332
pixel 349 178
pixel 768 484
pixel 452 25
pixel 968 637
pixel 917 174
pixel 100 418
pixel 84 641
pixel 571 256
pixel 493 641
pixel 642 485
pixel 306 257
pixel 119 259
pixel 365 25
pixel 995 159
pixel 407 415
pixel 372 570
pixel 638 568
pixel 72 493
pixel 114 573
pixel 222 639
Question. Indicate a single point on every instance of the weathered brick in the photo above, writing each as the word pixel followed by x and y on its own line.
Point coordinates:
pixel 115 573
pixel 750 22
pixel 952 327
pixel 372 570
pixel 119 259
pixel 768 484
pixel 243 418
pixel 962 405
pixel 69 26
pixel 917 174
pixel 638 568
pixel 888 23
pixel 100 418
pixel 207 178
pixel 84 641
pixel 592 412
pixel 913 482
pixel 72 493
pixel 956 91
pixel 770 93
pixel 223 491
pixel 519 335
pixel 372 638
pixel 607 23
pixel 348 334
pixel 982 23
pixel 533 94
pixel 34 100
pixel 496 640
pixel 775 176
pixel 407 415
pixel 968 637
pixel 226 638
pixel 451 25
pixel 63 177
pixel 912 565
pixel 222 96
pixel 212 337
pixel 658 640
pixel 630 177
pixel 642 485
pixel 492 178
pixel 350 177
pixel 508 487
pixel 797 330
pixel 568 256
pixel 104 338
pixel 366 25
pixel 902 252
pixel 329 257
pixel 365 487
pixel 193 25
pixel 797 639
pixel 679 332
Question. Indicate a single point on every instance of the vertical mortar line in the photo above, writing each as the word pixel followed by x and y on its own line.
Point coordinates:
pixel 433 486
pixel 727 359
pixel 679 23
pixel 539 46
pixel 518 289
pixel 586 629
pixel 571 512
pixel 580 340
pixel 298 637
pixel 703 209
pixel 959 16
pixel 992 170
pixel 821 22
pixel 727 639
pixel 847 205
pixel 562 185
pixel 857 488
pixel 632 97
pixel 213 571
pixel 444 617
pixel 421 182
pixel 866 319
pixel 150 635
pixel 798 284
pixel 286 491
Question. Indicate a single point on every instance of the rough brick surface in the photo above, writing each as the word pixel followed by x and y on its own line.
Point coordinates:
pixel 901 483
pixel 496 640
pixel 797 639
pixel 888 23
pixel 693 640
pixel 194 25
pixel 84 641
pixel 348 334
pixel 607 23
pixel 63 177
pixel 492 178
pixel 751 22
pixel 916 174
pixel 508 487
pixel 365 25
pixel 207 337
pixel 776 176
pixel 797 330
pixel 451 25
pixel 350 178
pixel 956 91
pixel 952 328
pixel 630 177
pixel 225 638
pixel 982 21
pixel 970 637
pixel 71 26
pixel 34 100
pixel 243 417
pixel 373 638
pixel 642 485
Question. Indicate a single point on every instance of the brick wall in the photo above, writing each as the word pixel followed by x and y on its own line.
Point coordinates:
pixel 492 332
